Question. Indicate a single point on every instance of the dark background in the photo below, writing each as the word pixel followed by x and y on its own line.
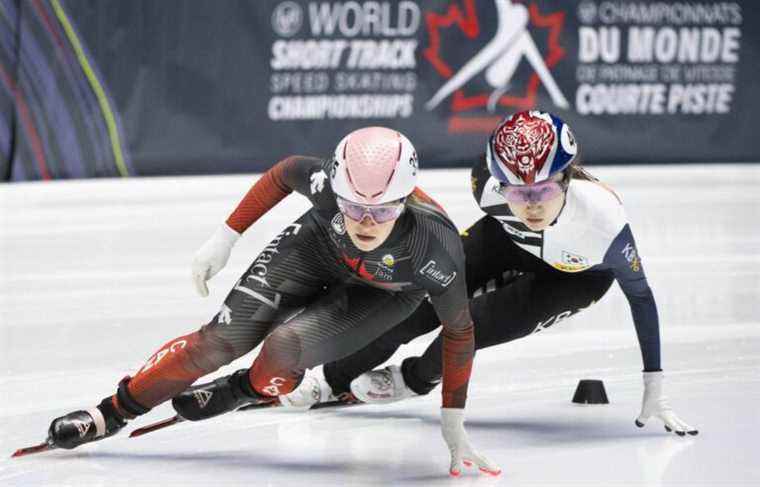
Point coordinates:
pixel 189 80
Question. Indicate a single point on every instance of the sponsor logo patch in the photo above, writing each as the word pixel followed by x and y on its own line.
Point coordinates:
pixel 260 268
pixel 632 256
pixel 338 225
pixel 273 389
pixel 443 278
pixel 318 182
pixel 384 270
pixel 82 427
pixel 383 273
pixel 202 397
pixel 225 315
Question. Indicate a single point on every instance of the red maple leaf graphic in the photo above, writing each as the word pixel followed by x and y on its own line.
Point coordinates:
pixel 467 22
pixel 361 270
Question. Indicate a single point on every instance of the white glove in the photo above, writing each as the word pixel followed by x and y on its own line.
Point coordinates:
pixel 655 404
pixel 213 256
pixel 462 453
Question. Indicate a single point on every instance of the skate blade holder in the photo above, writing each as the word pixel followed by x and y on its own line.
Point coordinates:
pixel 590 391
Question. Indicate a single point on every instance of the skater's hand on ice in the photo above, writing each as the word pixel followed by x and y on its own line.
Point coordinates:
pixel 462 452
pixel 212 257
pixel 655 404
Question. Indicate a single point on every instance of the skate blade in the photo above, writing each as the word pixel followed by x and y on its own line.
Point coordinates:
pixel 178 419
pixel 33 449
pixel 336 404
pixel 156 426
pixel 319 405
pixel 264 405
pixel 275 403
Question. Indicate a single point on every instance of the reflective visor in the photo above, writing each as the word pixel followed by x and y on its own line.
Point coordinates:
pixel 379 213
pixel 531 193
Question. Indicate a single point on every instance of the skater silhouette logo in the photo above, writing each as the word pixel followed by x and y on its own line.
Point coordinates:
pixel 490 79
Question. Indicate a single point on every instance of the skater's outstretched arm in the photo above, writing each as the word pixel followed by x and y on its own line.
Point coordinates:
pixel 441 271
pixel 295 173
pixel 623 256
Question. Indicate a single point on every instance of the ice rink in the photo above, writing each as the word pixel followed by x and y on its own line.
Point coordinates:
pixel 95 276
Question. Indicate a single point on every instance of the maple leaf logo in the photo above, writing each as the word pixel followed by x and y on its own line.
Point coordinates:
pixel 497 60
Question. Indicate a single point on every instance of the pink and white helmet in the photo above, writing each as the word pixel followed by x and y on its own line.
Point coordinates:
pixel 374 165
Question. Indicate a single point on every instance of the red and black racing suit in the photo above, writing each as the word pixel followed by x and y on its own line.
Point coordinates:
pixel 312 297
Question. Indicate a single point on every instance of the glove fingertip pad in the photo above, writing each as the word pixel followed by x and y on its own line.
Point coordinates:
pixel 493 473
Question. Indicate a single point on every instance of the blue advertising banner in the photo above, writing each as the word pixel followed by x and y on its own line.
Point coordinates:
pixel 109 88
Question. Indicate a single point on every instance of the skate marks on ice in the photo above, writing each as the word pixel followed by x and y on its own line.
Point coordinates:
pixel 536 434
pixel 309 447
pixel 357 447
pixel 527 431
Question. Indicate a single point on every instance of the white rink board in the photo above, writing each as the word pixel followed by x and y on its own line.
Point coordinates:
pixel 94 277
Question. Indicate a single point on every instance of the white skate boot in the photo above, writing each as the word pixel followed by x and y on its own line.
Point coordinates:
pixel 381 386
pixel 312 390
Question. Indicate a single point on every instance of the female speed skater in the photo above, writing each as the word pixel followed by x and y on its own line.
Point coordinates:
pixel 550 245
pixel 360 261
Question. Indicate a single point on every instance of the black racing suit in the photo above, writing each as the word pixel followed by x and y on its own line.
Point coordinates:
pixel 514 293
pixel 312 297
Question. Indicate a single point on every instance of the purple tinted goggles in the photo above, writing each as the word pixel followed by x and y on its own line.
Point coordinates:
pixel 379 213
pixel 532 193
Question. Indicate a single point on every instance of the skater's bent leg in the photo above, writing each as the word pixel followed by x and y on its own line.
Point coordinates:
pixel 488 267
pixel 282 279
pixel 277 283
pixel 177 364
pixel 344 321
pixel 530 304
pixel 340 373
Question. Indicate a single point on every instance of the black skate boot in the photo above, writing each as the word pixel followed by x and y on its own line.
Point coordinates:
pixel 82 427
pixel 221 396
pixel 94 424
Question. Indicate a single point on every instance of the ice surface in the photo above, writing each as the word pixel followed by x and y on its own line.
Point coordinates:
pixel 94 276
